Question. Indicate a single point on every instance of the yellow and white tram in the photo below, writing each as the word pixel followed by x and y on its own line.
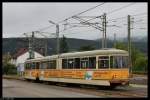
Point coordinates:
pixel 108 67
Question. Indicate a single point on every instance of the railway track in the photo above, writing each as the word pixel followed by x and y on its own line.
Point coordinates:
pixel 128 91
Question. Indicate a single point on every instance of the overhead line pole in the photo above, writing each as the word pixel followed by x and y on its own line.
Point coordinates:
pixel 32 44
pixel 57 35
pixel 129 43
pixel 115 40
pixel 30 48
pixel 104 42
pixel 105 38
pixel 103 31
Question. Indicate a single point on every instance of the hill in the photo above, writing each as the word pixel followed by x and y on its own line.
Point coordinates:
pixel 13 44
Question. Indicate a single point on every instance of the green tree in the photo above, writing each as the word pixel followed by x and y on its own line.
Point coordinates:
pixel 9 69
pixel 140 63
pixel 6 58
pixel 86 48
pixel 121 45
pixel 6 66
pixel 63 45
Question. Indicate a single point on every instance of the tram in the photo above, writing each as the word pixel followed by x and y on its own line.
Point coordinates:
pixel 105 67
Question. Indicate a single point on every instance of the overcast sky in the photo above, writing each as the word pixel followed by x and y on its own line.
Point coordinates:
pixel 19 18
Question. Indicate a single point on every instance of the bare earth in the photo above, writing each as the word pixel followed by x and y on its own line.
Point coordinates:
pixel 19 88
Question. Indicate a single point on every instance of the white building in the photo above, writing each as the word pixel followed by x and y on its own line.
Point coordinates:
pixel 21 56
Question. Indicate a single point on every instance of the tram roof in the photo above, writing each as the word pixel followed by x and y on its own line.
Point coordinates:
pixel 84 53
pixel 94 52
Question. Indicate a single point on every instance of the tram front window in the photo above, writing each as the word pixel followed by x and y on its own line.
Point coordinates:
pixel 118 62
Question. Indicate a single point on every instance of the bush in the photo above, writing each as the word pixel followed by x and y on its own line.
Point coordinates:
pixel 9 69
pixel 140 64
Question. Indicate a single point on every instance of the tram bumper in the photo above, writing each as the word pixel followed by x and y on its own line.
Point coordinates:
pixel 119 82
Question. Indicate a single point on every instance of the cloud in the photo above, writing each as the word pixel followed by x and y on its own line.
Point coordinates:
pixel 19 18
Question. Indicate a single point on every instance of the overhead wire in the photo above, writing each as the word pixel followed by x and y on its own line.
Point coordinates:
pixel 120 8
pixel 95 16
pixel 83 12
pixel 71 16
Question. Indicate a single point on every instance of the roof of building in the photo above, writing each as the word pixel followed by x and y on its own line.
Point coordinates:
pixel 20 52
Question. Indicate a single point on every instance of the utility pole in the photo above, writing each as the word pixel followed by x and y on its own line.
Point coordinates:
pixel 32 44
pixel 129 43
pixel 46 46
pixel 104 42
pixel 57 35
pixel 103 30
pixel 29 46
pixel 115 40
pixel 105 38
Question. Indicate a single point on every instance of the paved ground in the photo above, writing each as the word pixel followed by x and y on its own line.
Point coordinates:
pixel 18 88
pixel 139 79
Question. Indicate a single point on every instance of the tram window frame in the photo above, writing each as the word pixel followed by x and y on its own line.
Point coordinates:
pixel 54 64
pixel 44 62
pixel 37 65
pixel 64 63
pixel 77 63
pixel 111 61
pixel 33 65
pixel 70 65
pixel 51 64
pixel 84 60
pixel 30 65
pixel 100 59
pixel 119 61
pixel 115 62
pixel 27 66
pixel 92 63
pixel 126 63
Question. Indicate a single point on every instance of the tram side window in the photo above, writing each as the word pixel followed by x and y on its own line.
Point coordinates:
pixel 77 63
pixel 37 65
pixel 32 65
pixel 84 63
pixel 70 63
pixel 118 61
pixel 27 66
pixel 64 63
pixel 43 65
pixel 52 64
pixel 92 63
pixel 111 62
pixel 103 62
pixel 125 62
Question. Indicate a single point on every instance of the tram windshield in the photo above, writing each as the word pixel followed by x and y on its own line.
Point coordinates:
pixel 118 62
